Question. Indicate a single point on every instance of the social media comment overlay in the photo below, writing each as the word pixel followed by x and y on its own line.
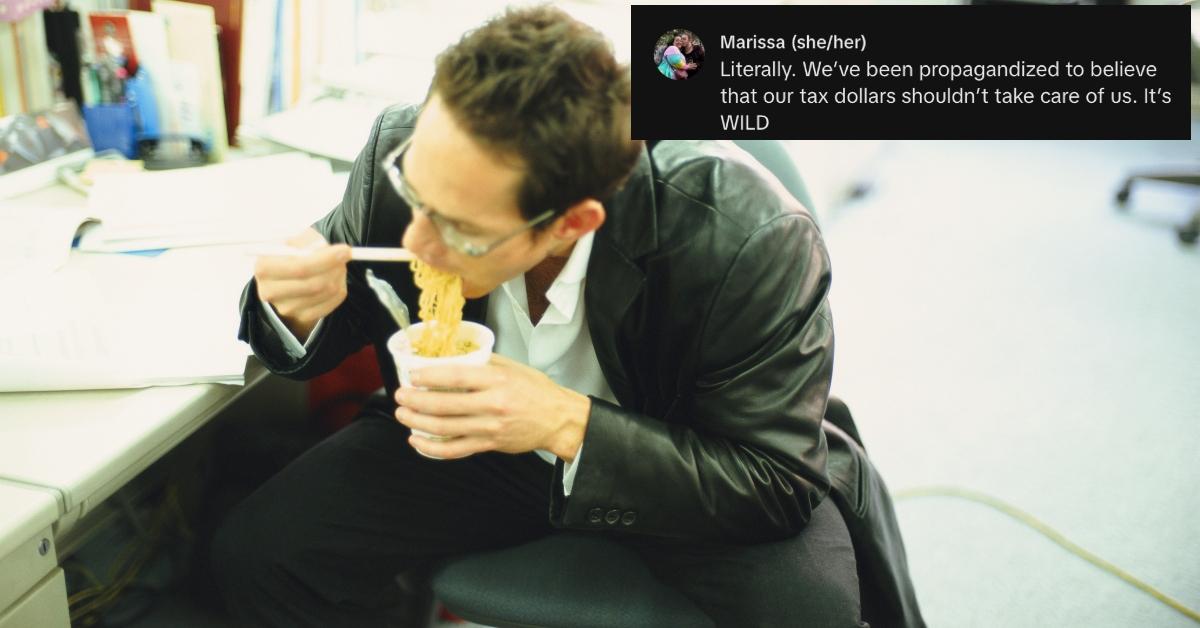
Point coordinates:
pixel 935 72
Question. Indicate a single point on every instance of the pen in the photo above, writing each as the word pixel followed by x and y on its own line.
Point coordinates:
pixel 357 253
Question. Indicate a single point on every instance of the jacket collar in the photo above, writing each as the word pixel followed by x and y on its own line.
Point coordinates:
pixel 614 277
pixel 631 227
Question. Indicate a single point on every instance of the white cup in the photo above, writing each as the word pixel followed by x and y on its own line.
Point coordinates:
pixel 408 362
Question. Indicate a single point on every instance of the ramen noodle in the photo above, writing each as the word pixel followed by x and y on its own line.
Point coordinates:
pixel 441 306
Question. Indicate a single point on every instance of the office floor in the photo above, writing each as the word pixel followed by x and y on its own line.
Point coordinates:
pixel 1001 327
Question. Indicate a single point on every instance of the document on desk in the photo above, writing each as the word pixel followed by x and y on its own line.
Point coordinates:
pixel 247 200
pixel 123 322
pixel 35 239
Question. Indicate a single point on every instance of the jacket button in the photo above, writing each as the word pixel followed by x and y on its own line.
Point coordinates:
pixel 595 515
pixel 628 518
pixel 612 517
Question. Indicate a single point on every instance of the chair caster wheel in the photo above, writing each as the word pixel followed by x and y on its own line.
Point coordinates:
pixel 1122 196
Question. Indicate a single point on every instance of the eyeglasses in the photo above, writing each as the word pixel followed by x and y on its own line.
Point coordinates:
pixel 451 235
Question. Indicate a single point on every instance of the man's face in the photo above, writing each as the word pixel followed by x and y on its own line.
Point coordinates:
pixel 462 182
pixel 684 42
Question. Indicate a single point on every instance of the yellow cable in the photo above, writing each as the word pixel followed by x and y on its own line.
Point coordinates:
pixel 1050 533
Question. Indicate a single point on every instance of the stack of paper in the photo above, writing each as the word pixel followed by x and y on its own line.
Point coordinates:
pixel 124 322
pixel 250 200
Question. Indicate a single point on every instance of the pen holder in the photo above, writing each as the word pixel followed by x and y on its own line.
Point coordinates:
pixel 111 126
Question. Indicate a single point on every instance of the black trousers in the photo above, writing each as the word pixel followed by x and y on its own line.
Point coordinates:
pixel 322 542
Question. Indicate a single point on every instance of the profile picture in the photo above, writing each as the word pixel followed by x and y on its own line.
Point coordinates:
pixel 679 54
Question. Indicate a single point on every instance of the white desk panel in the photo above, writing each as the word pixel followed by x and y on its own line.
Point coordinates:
pixel 24 512
pixel 86 444
pixel 27 551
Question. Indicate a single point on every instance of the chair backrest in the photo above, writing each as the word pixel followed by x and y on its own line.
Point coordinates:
pixel 774 157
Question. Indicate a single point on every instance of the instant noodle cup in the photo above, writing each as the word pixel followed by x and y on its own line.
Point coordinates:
pixel 400 345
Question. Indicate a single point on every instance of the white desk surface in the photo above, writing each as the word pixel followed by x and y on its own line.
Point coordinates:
pixel 84 445
pixel 24 512
pixel 87 444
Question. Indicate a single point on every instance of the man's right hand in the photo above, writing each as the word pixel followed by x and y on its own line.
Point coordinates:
pixel 306 287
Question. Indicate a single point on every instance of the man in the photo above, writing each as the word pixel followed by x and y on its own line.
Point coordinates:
pixel 664 351
pixel 693 52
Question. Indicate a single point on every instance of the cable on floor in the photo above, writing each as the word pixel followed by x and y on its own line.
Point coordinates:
pixel 1048 532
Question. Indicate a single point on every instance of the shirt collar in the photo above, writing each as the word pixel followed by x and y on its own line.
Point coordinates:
pixel 567 290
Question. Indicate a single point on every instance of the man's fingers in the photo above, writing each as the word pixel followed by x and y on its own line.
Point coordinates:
pixel 500 360
pixel 452 427
pixel 441 403
pixel 321 260
pixel 450 449
pixel 282 292
pixel 469 377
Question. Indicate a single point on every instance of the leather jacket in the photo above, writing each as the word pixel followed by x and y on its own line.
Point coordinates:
pixel 706 303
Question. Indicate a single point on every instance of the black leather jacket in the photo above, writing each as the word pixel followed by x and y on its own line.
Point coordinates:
pixel 706 303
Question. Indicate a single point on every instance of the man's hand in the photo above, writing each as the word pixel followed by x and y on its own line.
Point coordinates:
pixel 508 407
pixel 304 288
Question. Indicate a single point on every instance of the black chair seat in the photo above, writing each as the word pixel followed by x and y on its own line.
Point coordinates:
pixel 567 579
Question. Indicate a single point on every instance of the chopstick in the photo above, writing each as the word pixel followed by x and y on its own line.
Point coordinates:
pixel 380 254
pixel 357 253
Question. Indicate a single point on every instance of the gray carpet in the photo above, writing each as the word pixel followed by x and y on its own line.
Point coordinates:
pixel 1000 326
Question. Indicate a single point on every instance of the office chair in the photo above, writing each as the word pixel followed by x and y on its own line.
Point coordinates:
pixel 1189 232
pixel 590 581
pixel 773 156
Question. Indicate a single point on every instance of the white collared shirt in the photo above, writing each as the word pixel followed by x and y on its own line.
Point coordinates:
pixel 560 345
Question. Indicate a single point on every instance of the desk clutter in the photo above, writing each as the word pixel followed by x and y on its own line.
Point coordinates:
pixel 167 313
pixel 148 83
pixel 129 271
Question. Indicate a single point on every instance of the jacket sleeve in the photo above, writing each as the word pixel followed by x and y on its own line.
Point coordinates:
pixel 741 456
pixel 343 331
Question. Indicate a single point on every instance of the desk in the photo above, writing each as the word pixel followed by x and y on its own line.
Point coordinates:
pixel 33 591
pixel 84 445
pixel 63 453
pixel 70 451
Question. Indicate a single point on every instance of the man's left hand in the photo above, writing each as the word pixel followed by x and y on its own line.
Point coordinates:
pixel 506 406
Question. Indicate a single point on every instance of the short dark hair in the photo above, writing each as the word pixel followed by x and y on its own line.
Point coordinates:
pixel 536 84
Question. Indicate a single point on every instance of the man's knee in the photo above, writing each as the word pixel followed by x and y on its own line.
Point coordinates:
pixel 248 552
pixel 234 556
pixel 818 594
pixel 812 578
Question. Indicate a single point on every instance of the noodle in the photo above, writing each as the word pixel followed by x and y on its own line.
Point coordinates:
pixel 441 305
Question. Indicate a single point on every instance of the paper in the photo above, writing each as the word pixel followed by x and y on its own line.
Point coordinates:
pixel 36 239
pixel 124 322
pixel 250 200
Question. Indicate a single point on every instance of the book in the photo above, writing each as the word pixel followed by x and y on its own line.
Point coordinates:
pixel 192 41
pixel 25 69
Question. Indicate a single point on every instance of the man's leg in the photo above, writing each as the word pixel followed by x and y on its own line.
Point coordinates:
pixel 321 543
pixel 808 580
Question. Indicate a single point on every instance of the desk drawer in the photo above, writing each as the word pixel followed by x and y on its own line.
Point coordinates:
pixel 44 606
pixel 25 566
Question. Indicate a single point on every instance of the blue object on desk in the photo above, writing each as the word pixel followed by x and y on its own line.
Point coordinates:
pixel 111 126
pixel 139 91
